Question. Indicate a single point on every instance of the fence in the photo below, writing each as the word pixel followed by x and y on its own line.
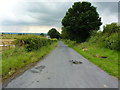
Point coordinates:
pixel 6 45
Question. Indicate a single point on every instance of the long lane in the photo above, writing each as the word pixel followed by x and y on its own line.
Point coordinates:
pixel 56 71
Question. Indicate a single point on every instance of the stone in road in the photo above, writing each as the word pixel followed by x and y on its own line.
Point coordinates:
pixel 56 71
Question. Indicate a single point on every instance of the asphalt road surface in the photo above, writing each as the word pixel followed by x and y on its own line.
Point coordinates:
pixel 56 71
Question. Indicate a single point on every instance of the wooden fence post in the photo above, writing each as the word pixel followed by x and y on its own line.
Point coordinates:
pixel 9 44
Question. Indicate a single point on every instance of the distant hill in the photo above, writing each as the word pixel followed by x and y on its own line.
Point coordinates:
pixel 22 33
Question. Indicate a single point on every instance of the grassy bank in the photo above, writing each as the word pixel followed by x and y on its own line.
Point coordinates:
pixel 104 58
pixel 16 58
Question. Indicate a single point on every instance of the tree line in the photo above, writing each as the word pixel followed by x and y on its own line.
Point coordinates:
pixel 80 22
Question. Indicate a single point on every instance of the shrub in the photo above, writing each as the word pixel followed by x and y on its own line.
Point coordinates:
pixel 107 40
pixel 112 42
pixel 33 42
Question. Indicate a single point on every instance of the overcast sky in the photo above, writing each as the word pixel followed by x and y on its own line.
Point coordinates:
pixel 39 17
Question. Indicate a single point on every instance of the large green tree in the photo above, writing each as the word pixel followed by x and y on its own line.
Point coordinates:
pixel 53 33
pixel 79 21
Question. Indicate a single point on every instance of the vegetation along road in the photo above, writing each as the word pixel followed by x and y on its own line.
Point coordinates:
pixel 57 70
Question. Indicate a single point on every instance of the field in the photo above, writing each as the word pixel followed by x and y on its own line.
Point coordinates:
pixel 7 42
pixel 10 36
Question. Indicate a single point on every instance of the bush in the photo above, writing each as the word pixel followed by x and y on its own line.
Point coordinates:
pixel 112 42
pixel 105 40
pixel 33 42
pixel 109 38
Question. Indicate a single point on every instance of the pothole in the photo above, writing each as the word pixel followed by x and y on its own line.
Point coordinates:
pixel 76 62
pixel 98 56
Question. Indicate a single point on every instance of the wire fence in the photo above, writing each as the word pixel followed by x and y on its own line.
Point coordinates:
pixel 6 45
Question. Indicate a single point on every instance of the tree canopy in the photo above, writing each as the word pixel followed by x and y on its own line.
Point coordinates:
pixel 53 33
pixel 79 21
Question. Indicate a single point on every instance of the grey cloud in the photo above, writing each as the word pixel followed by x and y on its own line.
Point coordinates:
pixel 48 13
pixel 51 14
pixel 10 23
pixel 44 13
pixel 111 7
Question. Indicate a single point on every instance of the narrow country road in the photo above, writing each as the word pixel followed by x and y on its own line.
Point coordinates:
pixel 56 71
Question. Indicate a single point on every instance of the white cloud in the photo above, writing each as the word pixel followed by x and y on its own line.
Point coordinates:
pixel 28 29
pixel 42 15
pixel 7 9
pixel 108 12
pixel 70 0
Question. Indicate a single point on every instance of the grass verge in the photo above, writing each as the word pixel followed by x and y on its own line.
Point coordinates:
pixel 14 59
pixel 93 53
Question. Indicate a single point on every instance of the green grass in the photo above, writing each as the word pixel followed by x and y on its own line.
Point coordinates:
pixel 14 59
pixel 109 64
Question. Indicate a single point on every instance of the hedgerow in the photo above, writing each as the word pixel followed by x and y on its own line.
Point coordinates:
pixel 33 42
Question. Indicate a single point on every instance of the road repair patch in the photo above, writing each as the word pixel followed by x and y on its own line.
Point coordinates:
pixel 37 69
